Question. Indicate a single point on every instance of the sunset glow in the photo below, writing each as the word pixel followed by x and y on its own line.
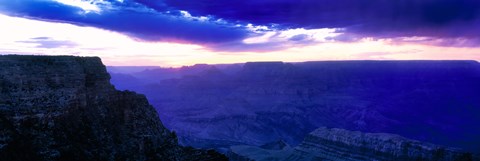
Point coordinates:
pixel 50 35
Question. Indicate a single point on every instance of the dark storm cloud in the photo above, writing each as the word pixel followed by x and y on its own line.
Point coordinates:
pixel 132 20
pixel 377 18
pixel 162 20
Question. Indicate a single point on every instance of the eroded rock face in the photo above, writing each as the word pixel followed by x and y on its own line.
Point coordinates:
pixel 339 144
pixel 325 144
pixel 64 108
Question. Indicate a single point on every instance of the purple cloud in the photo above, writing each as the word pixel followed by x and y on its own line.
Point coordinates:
pixel 132 20
pixel 224 25
pixel 357 18
pixel 49 43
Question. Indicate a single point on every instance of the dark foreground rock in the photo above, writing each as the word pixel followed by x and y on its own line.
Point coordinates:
pixel 64 108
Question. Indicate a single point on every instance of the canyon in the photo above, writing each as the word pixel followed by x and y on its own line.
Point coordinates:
pixel 254 103
pixel 65 108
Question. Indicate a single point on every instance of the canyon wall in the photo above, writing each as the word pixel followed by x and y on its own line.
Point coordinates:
pixel 64 108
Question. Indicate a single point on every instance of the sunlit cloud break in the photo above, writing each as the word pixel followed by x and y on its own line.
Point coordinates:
pixel 243 31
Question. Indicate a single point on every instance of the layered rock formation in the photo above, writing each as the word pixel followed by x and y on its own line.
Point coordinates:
pixel 339 144
pixel 332 144
pixel 64 108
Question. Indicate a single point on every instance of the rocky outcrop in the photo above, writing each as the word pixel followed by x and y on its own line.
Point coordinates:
pixel 339 144
pixel 64 108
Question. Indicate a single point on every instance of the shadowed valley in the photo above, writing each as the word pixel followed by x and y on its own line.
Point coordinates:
pixel 218 106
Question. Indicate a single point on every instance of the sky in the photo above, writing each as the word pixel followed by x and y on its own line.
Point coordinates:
pixel 185 32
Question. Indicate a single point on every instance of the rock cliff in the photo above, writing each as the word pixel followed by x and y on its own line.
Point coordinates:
pixel 64 108
pixel 339 144
pixel 332 144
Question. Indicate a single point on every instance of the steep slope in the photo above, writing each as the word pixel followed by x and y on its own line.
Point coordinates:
pixel 64 108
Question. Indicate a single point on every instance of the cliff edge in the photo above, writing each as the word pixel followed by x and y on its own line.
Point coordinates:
pixel 64 108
